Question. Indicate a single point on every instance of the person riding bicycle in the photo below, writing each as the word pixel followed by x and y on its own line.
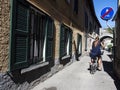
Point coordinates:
pixel 96 52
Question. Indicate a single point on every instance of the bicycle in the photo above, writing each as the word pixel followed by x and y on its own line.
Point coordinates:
pixel 94 65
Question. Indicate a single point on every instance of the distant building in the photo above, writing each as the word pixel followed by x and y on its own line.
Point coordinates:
pixel 39 36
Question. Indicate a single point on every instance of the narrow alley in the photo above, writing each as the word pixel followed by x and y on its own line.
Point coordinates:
pixel 77 77
pixel 45 44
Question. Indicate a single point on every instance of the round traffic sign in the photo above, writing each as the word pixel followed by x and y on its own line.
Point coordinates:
pixel 107 13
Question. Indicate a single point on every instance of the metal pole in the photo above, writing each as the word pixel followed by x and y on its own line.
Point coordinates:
pixel 108 25
pixel 113 52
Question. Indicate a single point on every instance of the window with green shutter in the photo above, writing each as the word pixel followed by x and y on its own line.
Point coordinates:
pixel 70 36
pixel 38 23
pixel 49 39
pixel 79 44
pixel 41 37
pixel 62 41
pixel 65 41
pixel 32 34
pixel 19 35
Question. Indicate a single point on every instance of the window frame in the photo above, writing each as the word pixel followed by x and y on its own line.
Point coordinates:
pixel 79 44
pixel 37 35
pixel 20 39
pixel 66 41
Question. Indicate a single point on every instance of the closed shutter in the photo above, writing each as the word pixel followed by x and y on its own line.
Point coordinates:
pixel 62 42
pixel 19 35
pixel 49 39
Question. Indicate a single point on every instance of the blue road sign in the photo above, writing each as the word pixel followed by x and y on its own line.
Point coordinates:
pixel 107 13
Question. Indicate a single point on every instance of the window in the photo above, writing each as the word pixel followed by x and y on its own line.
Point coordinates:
pixel 65 41
pixel 41 36
pixel 76 6
pixel 37 35
pixel 31 36
pixel 79 44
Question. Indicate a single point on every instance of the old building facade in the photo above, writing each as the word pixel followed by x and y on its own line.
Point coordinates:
pixel 116 63
pixel 37 37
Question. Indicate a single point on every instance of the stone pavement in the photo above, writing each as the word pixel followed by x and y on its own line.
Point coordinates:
pixel 77 77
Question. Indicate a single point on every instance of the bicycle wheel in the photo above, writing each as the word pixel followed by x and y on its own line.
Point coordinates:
pixel 92 69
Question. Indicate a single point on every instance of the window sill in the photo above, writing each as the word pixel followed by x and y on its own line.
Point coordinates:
pixel 67 56
pixel 33 67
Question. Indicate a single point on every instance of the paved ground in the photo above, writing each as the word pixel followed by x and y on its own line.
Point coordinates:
pixel 77 77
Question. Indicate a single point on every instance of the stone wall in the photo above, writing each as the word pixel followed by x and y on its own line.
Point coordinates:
pixel 28 80
pixel 4 34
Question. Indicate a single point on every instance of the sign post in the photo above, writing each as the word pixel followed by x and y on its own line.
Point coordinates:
pixel 106 14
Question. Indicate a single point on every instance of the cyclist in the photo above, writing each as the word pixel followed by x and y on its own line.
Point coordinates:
pixel 96 52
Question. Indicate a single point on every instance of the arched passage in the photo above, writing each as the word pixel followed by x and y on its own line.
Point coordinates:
pixel 104 37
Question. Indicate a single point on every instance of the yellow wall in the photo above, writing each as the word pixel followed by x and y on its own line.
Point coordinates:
pixel 62 12
pixel 59 10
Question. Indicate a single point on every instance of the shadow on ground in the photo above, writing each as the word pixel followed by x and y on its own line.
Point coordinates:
pixel 50 88
pixel 108 67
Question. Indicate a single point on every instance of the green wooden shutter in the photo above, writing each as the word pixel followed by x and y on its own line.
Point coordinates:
pixel 62 41
pixel 70 49
pixel 78 43
pixel 81 44
pixel 19 35
pixel 49 39
pixel 78 39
